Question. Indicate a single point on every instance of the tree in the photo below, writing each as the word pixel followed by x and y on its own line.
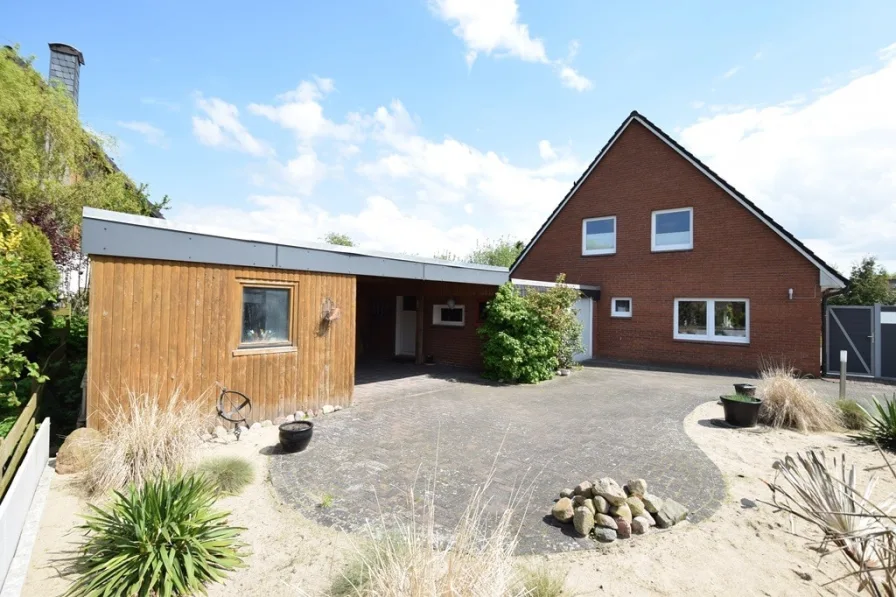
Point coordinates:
pixel 501 253
pixel 337 238
pixel 50 166
pixel 869 284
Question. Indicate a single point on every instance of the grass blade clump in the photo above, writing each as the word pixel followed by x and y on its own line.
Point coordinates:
pixel 881 424
pixel 852 415
pixel 143 440
pixel 788 402
pixel 162 538
pixel 227 474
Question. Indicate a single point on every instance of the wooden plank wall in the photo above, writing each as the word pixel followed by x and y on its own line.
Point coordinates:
pixel 160 326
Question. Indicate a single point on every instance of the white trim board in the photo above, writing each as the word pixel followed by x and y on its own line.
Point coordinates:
pixel 522 282
pixel 832 278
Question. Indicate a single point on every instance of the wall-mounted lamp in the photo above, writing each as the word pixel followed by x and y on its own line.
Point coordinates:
pixel 451 303
pixel 790 293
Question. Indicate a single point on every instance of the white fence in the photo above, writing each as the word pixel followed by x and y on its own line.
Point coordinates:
pixel 17 501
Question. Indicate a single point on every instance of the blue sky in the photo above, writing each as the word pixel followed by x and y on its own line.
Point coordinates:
pixel 422 126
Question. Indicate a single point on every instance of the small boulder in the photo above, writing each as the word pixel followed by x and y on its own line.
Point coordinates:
pixel 206 437
pixel 78 450
pixel 649 518
pixel 623 512
pixel 337 407
pixel 640 525
pixel 670 514
pixel 607 522
pixel 298 415
pixel 563 510
pixel 637 487
pixel 584 488
pixel 266 423
pixel 652 503
pixel 608 489
pixel 590 505
pixel 328 408
pixel 279 421
pixel 255 426
pixel 579 500
pixel 635 505
pixel 220 432
pixel 604 535
pixel 583 521
pixel 601 505
pixel 623 529
pixel 289 419
pixel 566 493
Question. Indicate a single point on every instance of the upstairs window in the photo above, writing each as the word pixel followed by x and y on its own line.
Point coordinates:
pixel 265 317
pixel 672 230
pixel 599 236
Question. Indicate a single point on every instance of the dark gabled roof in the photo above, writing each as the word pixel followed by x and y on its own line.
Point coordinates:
pixel 708 172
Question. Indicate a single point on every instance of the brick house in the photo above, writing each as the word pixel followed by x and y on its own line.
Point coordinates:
pixel 690 271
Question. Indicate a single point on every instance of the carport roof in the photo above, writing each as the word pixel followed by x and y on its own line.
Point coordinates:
pixel 125 235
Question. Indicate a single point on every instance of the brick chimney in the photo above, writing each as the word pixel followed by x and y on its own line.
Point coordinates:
pixel 65 67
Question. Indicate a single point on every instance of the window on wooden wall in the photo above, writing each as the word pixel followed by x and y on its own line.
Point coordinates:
pixel 265 318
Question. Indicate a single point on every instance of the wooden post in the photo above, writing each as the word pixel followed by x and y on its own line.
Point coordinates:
pixel 421 320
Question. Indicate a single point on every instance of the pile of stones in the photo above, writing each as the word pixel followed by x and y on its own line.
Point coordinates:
pixel 223 435
pixel 608 512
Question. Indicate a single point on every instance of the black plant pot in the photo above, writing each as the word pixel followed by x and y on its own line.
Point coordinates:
pixel 741 414
pixel 745 389
pixel 295 436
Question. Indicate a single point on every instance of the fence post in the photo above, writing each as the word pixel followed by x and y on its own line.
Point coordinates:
pixel 842 375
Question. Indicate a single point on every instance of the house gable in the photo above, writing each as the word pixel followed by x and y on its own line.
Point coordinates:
pixel 828 277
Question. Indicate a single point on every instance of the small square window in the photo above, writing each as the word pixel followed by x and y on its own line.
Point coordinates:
pixel 672 230
pixel 599 236
pixel 621 307
pixel 265 316
pixel 447 315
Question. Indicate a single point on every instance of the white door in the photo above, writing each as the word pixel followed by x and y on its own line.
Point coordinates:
pixel 585 309
pixel 405 325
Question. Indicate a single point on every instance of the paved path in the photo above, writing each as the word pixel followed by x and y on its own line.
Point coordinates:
pixel 599 422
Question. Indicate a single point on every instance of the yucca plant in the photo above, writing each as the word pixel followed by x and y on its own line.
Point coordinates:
pixel 881 428
pixel 163 538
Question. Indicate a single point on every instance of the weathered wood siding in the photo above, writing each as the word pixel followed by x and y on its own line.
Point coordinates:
pixel 158 326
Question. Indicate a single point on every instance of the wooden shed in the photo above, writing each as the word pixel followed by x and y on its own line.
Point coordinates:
pixel 179 308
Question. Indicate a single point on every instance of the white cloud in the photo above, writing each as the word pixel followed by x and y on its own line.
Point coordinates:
pixel 731 72
pixel 572 79
pixel 154 101
pixel 546 151
pixel 825 169
pixel 151 134
pixel 758 55
pixel 301 112
pixel 494 27
pixel 697 104
pixel 222 128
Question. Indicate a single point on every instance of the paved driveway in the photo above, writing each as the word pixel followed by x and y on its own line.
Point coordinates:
pixel 599 422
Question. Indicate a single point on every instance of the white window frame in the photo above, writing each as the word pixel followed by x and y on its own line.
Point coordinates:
pixel 663 248
pixel 615 313
pixel 584 236
pixel 711 321
pixel 437 315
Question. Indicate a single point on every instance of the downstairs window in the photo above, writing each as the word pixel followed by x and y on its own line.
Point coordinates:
pixel 713 320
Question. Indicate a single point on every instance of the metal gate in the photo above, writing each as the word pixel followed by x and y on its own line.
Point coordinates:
pixel 867 334
pixel 851 329
pixel 886 345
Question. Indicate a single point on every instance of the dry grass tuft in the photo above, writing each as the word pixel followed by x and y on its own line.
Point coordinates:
pixel 789 402
pixel 415 558
pixel 143 440
pixel 229 475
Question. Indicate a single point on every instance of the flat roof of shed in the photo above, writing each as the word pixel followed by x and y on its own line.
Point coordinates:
pixel 126 235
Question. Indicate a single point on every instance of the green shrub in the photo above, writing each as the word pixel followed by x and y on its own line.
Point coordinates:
pixel 852 414
pixel 542 582
pixel 881 427
pixel 227 474
pixel 556 307
pixel 163 538
pixel 742 398
pixel 518 344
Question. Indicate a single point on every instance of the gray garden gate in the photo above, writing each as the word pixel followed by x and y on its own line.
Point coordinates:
pixel 867 334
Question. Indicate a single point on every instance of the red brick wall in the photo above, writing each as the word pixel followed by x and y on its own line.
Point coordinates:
pixel 735 255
